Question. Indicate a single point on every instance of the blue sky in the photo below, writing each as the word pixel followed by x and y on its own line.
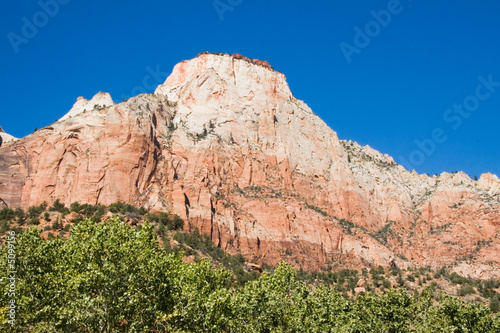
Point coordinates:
pixel 409 63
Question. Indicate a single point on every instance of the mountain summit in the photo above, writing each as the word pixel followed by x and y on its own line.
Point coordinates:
pixel 100 100
pixel 6 138
pixel 224 144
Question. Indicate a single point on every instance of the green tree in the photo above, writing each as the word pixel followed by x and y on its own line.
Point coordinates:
pixel 99 280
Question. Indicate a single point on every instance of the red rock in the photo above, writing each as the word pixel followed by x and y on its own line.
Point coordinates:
pixel 224 144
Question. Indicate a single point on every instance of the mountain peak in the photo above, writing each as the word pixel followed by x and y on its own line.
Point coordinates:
pixel 237 75
pixel 6 138
pixel 82 104
pixel 239 56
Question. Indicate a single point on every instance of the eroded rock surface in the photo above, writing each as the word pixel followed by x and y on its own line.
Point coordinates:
pixel 224 144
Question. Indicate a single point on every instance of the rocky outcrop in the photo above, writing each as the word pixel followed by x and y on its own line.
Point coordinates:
pixel 238 56
pixel 224 144
pixel 100 100
pixel 5 138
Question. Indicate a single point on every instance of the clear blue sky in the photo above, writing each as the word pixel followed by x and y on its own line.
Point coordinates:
pixel 395 90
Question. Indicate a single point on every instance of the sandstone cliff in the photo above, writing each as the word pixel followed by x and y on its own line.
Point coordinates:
pixel 224 144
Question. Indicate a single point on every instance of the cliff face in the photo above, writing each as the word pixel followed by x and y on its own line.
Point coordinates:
pixel 224 144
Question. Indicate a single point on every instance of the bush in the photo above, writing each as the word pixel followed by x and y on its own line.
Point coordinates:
pixel 75 207
pixel 177 223
pixel 457 279
pixel 56 225
pixel 495 303
pixel 394 271
pixel 440 272
pixel 174 223
pixel 466 289
pixel 57 206
pixel 20 215
pixel 35 211
pixel 7 214
pixel 152 218
pixel 164 219
pixel 123 208
pixel 99 211
pixel 161 229
pixel 4 226
pixel 386 284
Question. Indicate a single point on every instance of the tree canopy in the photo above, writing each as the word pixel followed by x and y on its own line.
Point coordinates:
pixel 112 277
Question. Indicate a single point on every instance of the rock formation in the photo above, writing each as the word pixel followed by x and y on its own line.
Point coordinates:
pixel 100 100
pixel 6 138
pixel 224 144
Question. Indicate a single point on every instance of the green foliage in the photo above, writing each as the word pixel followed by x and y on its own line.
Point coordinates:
pixel 58 206
pixel 177 223
pixel 495 303
pixel 383 234
pixel 440 272
pixel 98 211
pixel 347 226
pixel 171 127
pixel 7 214
pixel 4 226
pixel 75 207
pixel 34 220
pixel 100 279
pixel 122 208
pixel 56 225
pixel 35 211
pixel 201 242
pixel 457 279
pixel 171 222
pixel 466 289
pixel 112 277
pixel 19 213
pixel 317 209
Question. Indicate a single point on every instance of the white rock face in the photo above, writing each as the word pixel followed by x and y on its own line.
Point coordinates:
pixel 253 105
pixel 6 138
pixel 100 99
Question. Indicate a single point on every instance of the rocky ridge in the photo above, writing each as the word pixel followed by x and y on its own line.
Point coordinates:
pixel 6 138
pixel 224 144
pixel 100 100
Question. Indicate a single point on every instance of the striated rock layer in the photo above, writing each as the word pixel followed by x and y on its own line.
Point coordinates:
pixel 224 144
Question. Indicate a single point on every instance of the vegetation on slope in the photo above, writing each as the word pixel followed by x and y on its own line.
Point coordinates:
pixel 115 277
